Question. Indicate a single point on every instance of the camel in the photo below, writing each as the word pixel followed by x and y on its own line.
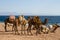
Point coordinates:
pixel 11 20
pixel 23 23
pixel 49 28
pixel 35 21
pixel 53 27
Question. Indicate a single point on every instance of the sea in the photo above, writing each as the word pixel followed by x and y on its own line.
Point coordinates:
pixel 51 19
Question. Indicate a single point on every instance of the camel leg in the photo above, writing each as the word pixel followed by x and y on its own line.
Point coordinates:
pixel 29 30
pixel 37 30
pixel 5 27
pixel 21 29
pixel 24 29
pixel 54 29
pixel 15 29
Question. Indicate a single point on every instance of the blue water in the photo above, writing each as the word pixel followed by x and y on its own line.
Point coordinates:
pixel 51 19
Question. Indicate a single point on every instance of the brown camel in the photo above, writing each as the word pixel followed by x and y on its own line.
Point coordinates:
pixel 36 22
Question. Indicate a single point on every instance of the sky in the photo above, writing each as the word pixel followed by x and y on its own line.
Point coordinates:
pixel 30 7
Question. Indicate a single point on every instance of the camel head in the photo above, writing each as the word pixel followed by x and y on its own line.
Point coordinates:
pixel 11 18
pixel 45 21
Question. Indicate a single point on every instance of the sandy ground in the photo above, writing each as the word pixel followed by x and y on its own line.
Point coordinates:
pixel 11 36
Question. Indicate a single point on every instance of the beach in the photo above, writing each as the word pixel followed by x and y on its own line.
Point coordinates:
pixel 11 36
